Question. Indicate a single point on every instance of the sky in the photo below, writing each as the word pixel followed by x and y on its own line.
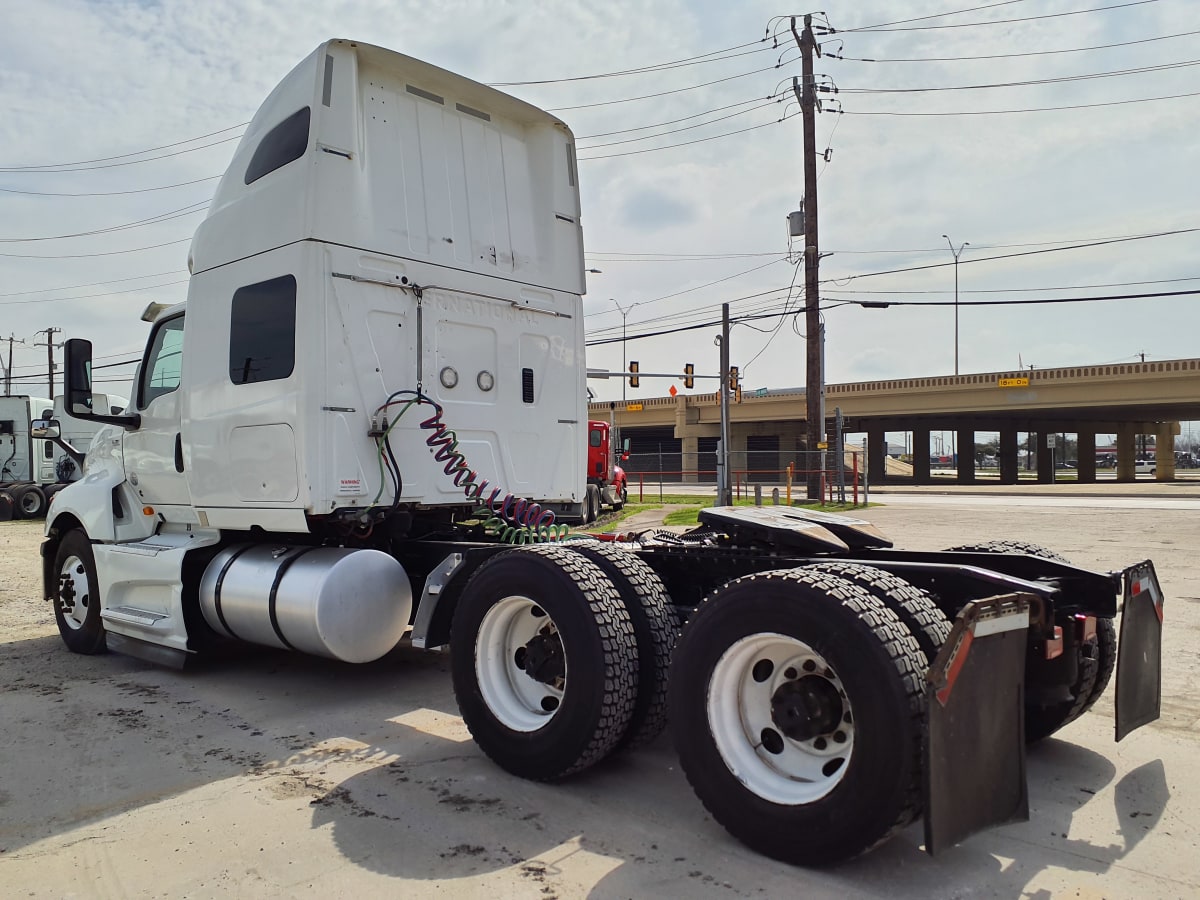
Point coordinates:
pixel 1020 129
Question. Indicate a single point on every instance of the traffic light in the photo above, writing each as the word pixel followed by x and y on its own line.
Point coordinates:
pixel 733 378
pixel 689 372
pixel 633 373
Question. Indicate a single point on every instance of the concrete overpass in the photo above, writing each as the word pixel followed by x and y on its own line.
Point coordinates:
pixel 1127 399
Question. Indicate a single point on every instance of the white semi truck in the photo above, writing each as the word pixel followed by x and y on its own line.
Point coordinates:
pixel 361 424
pixel 33 468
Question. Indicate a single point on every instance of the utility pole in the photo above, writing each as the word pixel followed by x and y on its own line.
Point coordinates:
pixel 813 388
pixel 50 332
pixel 12 339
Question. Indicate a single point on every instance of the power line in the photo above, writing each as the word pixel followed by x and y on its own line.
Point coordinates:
pixel 75 287
pixel 956 12
pixel 648 137
pixel 1077 12
pixel 789 312
pixel 33 170
pixel 994 112
pixel 147 287
pixel 1070 287
pixel 88 162
pixel 188 210
pixel 90 255
pixel 106 193
pixel 1141 70
pixel 1022 54
pixel 684 143
pixel 712 56
pixel 588 137
pixel 693 87
pixel 979 259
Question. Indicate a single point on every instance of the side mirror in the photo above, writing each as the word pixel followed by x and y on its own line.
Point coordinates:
pixel 45 428
pixel 625 445
pixel 79 377
pixel 78 388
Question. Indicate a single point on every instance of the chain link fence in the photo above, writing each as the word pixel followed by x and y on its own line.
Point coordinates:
pixel 653 475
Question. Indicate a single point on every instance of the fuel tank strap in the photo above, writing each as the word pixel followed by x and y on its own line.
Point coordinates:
pixel 217 588
pixel 271 601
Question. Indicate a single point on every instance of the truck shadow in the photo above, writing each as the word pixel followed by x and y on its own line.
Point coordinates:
pixel 638 814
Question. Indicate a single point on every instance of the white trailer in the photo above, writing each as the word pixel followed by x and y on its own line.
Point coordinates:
pixel 32 468
pixel 376 388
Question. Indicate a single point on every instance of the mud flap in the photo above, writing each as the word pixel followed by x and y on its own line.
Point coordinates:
pixel 1139 650
pixel 975 726
pixel 6 506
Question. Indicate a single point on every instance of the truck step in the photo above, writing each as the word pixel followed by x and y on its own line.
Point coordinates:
pixel 131 616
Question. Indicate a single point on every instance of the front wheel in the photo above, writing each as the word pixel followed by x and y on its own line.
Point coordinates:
pixel 544 662
pixel 75 595
pixel 796 704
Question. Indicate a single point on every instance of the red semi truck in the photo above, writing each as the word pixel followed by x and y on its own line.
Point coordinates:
pixel 606 483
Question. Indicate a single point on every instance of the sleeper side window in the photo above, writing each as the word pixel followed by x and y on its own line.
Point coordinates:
pixel 262 331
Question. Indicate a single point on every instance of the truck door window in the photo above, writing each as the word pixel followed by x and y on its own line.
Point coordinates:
pixel 262 331
pixel 164 363
pixel 595 437
pixel 283 144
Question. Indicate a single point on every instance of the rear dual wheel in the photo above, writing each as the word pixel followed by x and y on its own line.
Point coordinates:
pixel 544 662
pixel 29 501
pixel 796 703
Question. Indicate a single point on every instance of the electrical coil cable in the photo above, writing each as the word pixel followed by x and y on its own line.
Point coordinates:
pixel 513 519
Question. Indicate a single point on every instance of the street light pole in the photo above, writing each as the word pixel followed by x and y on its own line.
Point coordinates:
pixel 624 364
pixel 956 253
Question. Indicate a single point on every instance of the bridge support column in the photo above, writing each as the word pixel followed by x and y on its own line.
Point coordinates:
pixel 876 454
pixel 920 455
pixel 1164 450
pixel 965 464
pixel 1126 451
pixel 1045 461
pixel 1085 445
pixel 690 459
pixel 1008 456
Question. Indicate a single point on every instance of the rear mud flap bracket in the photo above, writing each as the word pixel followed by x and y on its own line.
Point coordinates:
pixel 975 726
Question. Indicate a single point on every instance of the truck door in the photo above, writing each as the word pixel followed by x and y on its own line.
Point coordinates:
pixel 154 452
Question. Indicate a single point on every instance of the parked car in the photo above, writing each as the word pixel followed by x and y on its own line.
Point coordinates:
pixel 1145 466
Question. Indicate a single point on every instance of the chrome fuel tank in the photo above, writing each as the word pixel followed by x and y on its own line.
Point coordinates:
pixel 351 605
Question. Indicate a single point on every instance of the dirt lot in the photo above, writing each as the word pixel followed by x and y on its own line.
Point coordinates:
pixel 274 775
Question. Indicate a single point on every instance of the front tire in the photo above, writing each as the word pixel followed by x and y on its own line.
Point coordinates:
pixel 796 705
pixel 76 596
pixel 544 662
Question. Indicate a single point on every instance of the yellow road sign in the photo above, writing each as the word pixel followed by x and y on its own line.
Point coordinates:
pixel 1019 381
pixel 633 407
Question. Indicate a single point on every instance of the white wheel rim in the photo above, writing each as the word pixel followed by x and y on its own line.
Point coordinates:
pixel 518 700
pixel 73 592
pixel 760 755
